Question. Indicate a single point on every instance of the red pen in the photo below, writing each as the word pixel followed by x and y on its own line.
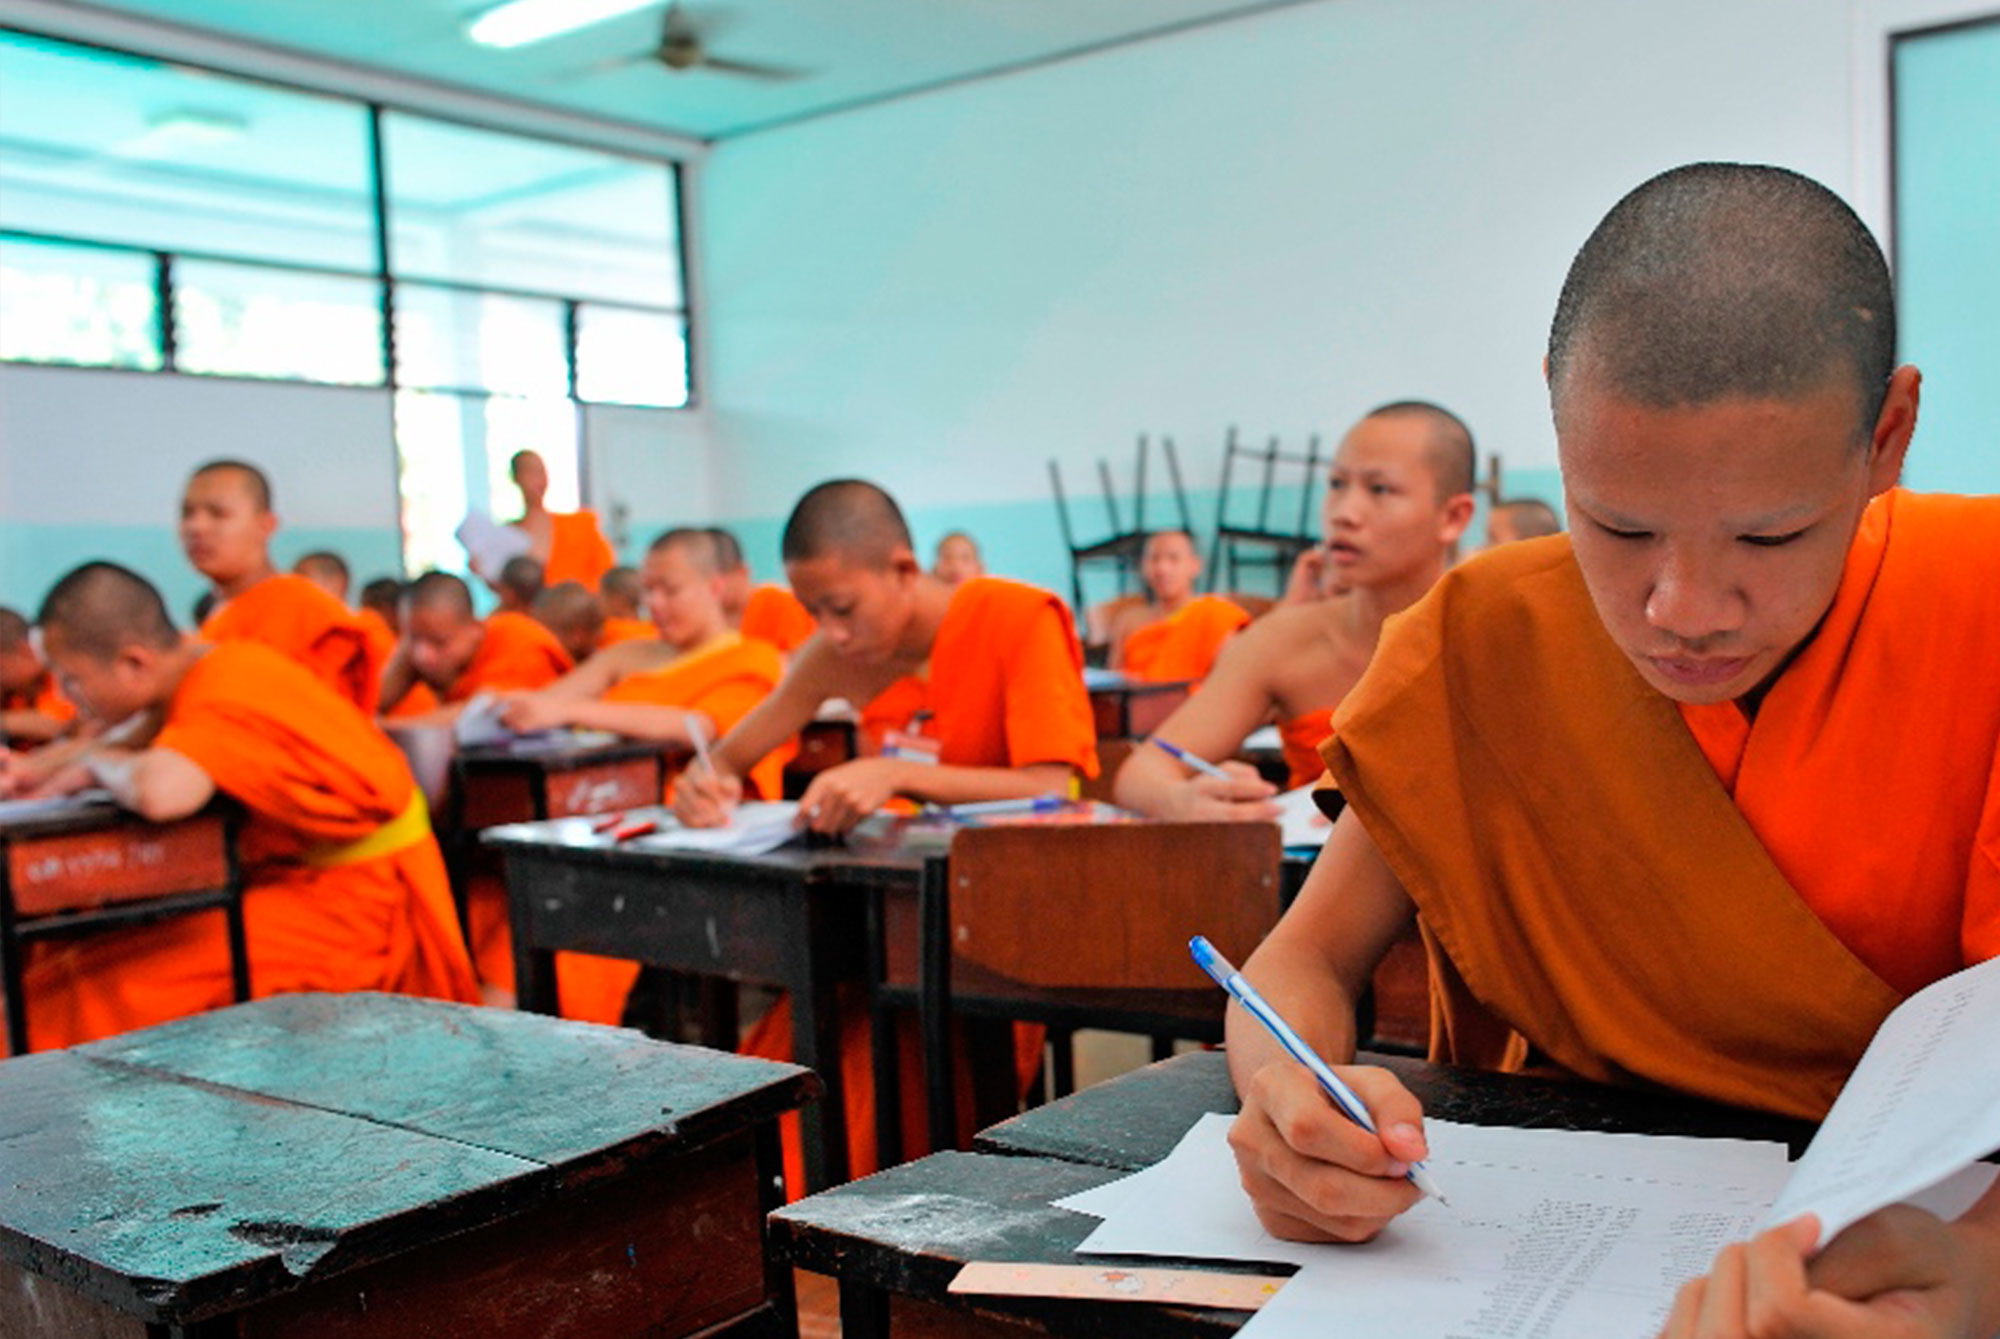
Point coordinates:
pixel 608 822
pixel 636 830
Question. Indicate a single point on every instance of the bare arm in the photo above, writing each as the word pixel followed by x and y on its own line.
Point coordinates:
pixel 1311 1174
pixel 842 796
pixel 1235 698
pixel 159 785
pixel 634 720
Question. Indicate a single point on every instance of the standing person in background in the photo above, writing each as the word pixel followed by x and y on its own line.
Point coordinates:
pixel 568 545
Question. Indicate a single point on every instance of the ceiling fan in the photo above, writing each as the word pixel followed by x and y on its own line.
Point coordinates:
pixel 683 46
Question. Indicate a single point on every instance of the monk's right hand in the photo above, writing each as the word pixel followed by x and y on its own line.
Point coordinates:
pixel 1241 797
pixel 1311 1173
pixel 706 799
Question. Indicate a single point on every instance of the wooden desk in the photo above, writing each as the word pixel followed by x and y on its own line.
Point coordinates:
pixel 353 1166
pixel 1134 708
pixel 96 867
pixel 522 782
pixel 803 918
pixel 895 1241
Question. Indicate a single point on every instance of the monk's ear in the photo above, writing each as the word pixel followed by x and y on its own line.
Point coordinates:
pixel 1453 517
pixel 1889 441
pixel 904 564
pixel 267 525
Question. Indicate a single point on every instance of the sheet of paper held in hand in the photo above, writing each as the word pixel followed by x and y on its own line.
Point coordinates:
pixel 1567 1235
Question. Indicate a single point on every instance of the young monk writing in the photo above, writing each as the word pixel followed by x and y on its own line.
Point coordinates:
pixel 999 685
pixel 1521 518
pixel 625 618
pixel 1674 793
pixel 1398 497
pixel 32 710
pixel 453 652
pixel 695 674
pixel 225 530
pixel 768 612
pixel 568 544
pixel 344 887
pixel 1173 634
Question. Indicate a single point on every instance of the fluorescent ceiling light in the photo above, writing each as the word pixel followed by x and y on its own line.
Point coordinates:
pixel 519 22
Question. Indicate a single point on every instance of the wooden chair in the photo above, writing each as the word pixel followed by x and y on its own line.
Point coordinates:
pixel 1077 927
pixel 68 884
pixel 1111 755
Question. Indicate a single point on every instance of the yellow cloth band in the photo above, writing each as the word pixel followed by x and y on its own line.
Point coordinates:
pixel 405 829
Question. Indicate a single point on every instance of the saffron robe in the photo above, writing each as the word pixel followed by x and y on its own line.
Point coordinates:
pixel 723 680
pixel 578 550
pixel 1300 739
pixel 420 700
pixel 1660 895
pixel 298 619
pixel 618 630
pixel 41 697
pixel 515 653
pixel 314 776
pixel 1183 645
pixel 774 614
pixel 1005 689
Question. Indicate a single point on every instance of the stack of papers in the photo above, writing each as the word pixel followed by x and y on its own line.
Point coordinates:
pixel 753 829
pixel 1574 1235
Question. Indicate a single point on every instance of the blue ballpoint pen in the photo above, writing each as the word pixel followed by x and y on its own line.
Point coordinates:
pixel 1039 804
pixel 1186 759
pixel 1343 1097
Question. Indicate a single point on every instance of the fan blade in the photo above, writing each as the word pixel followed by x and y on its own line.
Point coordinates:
pixel 751 69
pixel 605 66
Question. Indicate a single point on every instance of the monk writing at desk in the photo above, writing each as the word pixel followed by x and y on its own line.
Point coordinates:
pixel 344 886
pixel 1693 796
pixel 225 530
pixel 1172 634
pixel 1398 496
pixel 999 689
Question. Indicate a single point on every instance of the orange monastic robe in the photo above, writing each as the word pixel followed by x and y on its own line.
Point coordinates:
pixel 1004 689
pixel 515 653
pixel 774 614
pixel 40 696
pixel 1686 897
pixel 298 619
pixel 578 550
pixel 1182 645
pixel 618 630
pixel 315 779
pixel 1300 739
pixel 722 680
pixel 420 700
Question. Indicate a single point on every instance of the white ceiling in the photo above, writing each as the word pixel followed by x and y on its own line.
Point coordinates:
pixel 848 51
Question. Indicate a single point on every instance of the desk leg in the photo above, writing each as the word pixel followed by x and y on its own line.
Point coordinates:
pixel 816 1045
pixel 864 1311
pixel 13 963
pixel 534 967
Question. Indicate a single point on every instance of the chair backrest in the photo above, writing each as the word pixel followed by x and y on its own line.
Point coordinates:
pixel 1109 906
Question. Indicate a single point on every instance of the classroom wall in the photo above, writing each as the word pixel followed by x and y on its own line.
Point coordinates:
pixel 1274 223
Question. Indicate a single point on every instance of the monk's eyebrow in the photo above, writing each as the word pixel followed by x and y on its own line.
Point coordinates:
pixel 1788 518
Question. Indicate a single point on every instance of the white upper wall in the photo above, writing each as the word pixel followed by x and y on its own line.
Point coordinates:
pixel 1275 223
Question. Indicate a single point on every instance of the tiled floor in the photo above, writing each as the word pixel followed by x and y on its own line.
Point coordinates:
pixel 819 1306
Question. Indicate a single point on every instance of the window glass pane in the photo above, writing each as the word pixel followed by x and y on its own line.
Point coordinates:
pixel 448 339
pixel 76 304
pixel 453 451
pixel 631 357
pixel 255 321
pixel 482 207
pixel 127 149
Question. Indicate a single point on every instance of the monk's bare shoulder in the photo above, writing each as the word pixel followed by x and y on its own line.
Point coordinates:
pixel 819 672
pixel 1312 657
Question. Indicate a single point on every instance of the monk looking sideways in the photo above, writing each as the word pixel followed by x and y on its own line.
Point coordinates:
pixel 344 887
pixel 1676 794
pixel 1397 498
pixel 225 530
pixel 1173 634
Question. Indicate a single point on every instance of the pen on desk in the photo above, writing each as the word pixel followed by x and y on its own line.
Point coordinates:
pixel 1181 755
pixel 1039 804
pixel 1350 1106
pixel 608 822
pixel 635 830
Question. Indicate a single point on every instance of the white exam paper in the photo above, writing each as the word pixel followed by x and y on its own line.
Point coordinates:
pixel 1300 823
pixel 754 828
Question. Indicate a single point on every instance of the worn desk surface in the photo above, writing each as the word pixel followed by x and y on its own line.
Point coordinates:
pixel 896 1240
pixel 316 1157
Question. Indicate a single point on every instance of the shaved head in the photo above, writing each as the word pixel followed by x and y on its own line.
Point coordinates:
pixel 521 580
pixel 254 480
pixel 325 569
pixel 441 591
pixel 620 588
pixel 1448 450
pixel 382 595
pixel 849 519
pixel 1525 518
pixel 728 553
pixel 568 604
pixel 101 608
pixel 13 630
pixel 1724 280
pixel 700 547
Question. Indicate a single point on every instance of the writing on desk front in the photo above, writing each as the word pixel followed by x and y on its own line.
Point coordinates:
pixel 93 861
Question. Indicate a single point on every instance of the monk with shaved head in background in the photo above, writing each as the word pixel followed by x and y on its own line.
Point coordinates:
pixel 1520 518
pixel 325 569
pixel 1173 633
pixel 767 612
pixel 344 886
pixel 226 526
pixel 1735 740
pixel 32 710
pixel 456 654
pixel 573 615
pixel 1398 496
pixel 624 597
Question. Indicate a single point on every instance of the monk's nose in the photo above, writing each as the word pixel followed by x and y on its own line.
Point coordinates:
pixel 1691 601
